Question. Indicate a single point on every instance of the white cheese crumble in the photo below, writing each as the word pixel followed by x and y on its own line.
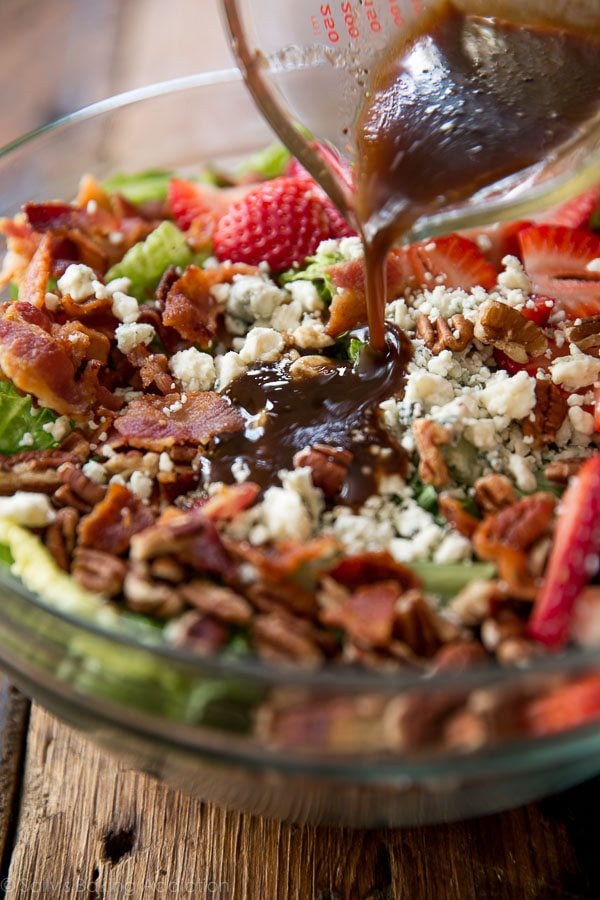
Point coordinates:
pixel 165 463
pixel 228 367
pixel 78 282
pixel 195 370
pixel 306 294
pixel 252 297
pixel 284 516
pixel 594 265
pixel 131 335
pixel 141 485
pixel 574 372
pixel 95 471
pixel 28 509
pixel 125 308
pixel 262 345
pixel 507 395
pixel 58 429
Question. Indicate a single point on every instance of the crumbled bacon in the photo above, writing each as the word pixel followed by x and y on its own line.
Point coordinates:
pixel 191 309
pixel 157 423
pixel 153 368
pixel 114 521
pixel 82 343
pixel 230 501
pixel 39 364
pixel 366 568
pixel 34 286
pixel 366 614
pixel 349 305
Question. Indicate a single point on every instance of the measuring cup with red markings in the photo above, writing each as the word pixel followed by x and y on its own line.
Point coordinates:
pixel 307 64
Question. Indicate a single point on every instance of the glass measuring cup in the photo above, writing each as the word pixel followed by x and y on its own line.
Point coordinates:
pixel 307 64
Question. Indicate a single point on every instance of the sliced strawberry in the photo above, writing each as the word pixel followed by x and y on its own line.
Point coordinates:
pixel 597 407
pixel 575 213
pixel 536 363
pixel 556 259
pixel 574 558
pixel 499 240
pixel 190 201
pixel 538 309
pixel 566 707
pixel 280 222
pixel 455 259
pixel 338 226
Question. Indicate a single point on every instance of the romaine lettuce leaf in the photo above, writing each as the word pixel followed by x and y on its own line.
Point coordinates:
pixel 18 419
pixel 149 185
pixel 268 163
pixel 145 262
pixel 315 270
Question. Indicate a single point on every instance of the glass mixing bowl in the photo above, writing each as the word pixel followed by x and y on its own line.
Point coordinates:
pixel 348 747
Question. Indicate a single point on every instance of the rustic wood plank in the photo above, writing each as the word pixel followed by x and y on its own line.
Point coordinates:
pixel 86 820
pixel 14 714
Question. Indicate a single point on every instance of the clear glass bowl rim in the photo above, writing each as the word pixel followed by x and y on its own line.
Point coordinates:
pixel 346 680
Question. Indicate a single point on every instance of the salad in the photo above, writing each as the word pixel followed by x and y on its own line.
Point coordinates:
pixel 196 439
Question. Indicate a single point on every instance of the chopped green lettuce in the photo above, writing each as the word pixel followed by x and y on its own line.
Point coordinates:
pixel 355 348
pixel 268 163
pixel 13 290
pixel 149 185
pixel 315 270
pixel 145 262
pixel 447 579
pixel 22 427
pixel 6 557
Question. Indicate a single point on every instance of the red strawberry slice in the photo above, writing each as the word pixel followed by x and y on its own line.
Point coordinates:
pixel 566 707
pixel 574 559
pixel 338 226
pixel 455 259
pixel 575 213
pixel 499 240
pixel 556 259
pixel 280 221
pixel 538 309
pixel 597 407
pixel 190 201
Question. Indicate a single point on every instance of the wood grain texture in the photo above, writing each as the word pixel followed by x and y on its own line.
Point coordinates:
pixel 14 713
pixel 88 824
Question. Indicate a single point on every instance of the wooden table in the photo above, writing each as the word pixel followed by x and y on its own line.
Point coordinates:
pixel 73 822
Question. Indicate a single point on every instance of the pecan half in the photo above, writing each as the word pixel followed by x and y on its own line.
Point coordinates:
pixel 586 335
pixel 456 515
pixel 61 536
pixel 420 626
pixel 280 638
pixel 197 632
pixel 453 334
pixel 151 598
pixel 562 470
pixel 507 330
pixel 77 490
pixel 329 466
pixel 101 573
pixel 429 437
pixel 310 367
pixel 220 602
pixel 549 413
pixel 494 492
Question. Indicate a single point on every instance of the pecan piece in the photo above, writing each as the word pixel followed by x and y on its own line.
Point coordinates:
pixel 61 536
pixel 586 335
pixel 506 538
pixel 310 367
pixel 419 625
pixel 453 334
pixel 494 492
pixel 151 598
pixel 195 631
pixel 429 437
pixel 562 470
pixel 220 602
pixel 456 515
pixel 550 410
pixel 280 638
pixel 101 573
pixel 77 490
pixel 329 466
pixel 507 330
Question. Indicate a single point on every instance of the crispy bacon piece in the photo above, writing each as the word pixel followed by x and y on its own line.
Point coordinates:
pixel 190 307
pixel 349 305
pixel 366 568
pixel 366 615
pixel 39 364
pixel 154 368
pixel 113 522
pixel 33 288
pixel 21 243
pixel 231 500
pixel 506 537
pixel 456 515
pixel 146 425
pixel 82 343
